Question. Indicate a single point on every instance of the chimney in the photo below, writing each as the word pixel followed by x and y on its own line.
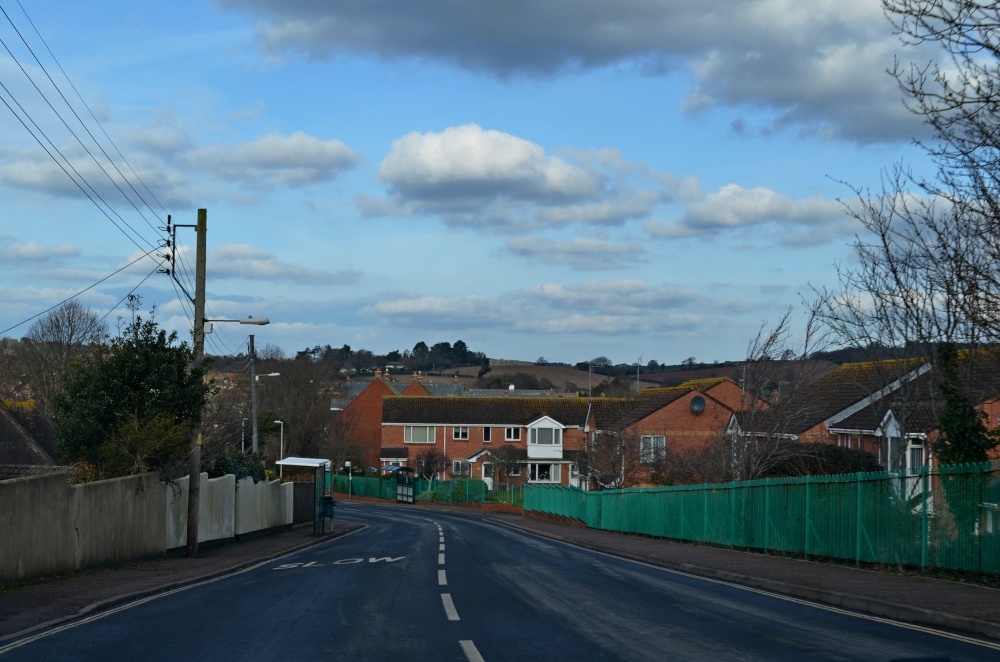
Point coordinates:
pixel 378 373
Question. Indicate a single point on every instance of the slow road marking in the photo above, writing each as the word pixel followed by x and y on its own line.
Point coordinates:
pixel 313 564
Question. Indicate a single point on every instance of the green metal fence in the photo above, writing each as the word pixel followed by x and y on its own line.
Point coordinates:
pixel 945 518
pixel 466 490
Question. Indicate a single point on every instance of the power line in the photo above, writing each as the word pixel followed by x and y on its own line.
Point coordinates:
pixel 91 112
pixel 69 128
pixel 141 257
pixel 63 168
pixel 131 292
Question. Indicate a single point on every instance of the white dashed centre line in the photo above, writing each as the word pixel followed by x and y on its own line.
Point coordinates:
pixel 440 559
pixel 441 547
pixel 442 579
pixel 470 650
pixel 449 607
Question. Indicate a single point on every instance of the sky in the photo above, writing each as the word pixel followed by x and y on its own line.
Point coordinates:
pixel 641 180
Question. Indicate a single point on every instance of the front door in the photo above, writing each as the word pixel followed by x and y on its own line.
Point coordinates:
pixel 488 475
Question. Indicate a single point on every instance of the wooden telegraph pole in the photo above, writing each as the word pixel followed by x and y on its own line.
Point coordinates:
pixel 194 472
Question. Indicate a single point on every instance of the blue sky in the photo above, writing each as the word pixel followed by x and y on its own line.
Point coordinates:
pixel 545 178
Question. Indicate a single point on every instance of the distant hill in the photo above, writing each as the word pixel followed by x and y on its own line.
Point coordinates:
pixel 568 378
pixel 789 372
pixel 562 377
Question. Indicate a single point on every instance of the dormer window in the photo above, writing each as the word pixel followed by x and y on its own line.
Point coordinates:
pixel 545 436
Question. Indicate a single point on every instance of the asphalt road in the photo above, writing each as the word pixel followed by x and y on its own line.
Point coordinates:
pixel 418 585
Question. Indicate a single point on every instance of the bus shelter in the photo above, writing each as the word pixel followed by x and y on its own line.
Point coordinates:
pixel 323 500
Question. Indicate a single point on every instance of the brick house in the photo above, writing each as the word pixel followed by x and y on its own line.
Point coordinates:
pixel 889 409
pixel 845 407
pixel 551 432
pixel 554 434
pixel 685 418
pixel 363 412
pixel 361 406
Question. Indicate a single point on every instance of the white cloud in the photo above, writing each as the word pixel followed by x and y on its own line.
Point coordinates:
pixel 615 296
pixel 819 65
pixel 735 206
pixel 245 262
pixel 164 133
pixel 12 251
pixel 578 252
pixel 468 161
pixel 476 178
pixel 276 160
pixel 791 222
pixel 598 307
pixel 165 160
pixel 438 312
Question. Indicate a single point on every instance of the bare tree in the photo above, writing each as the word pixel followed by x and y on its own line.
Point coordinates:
pixel 958 97
pixel 270 352
pixel 338 444
pixel 14 384
pixel 298 398
pixel 52 343
pixel 507 459
pixel 927 274
pixel 771 417
pixel 430 462
pixel 613 459
pixel 691 465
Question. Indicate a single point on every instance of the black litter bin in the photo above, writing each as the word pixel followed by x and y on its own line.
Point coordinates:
pixel 328 505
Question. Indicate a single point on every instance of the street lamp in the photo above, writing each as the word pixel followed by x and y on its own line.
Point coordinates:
pixel 258 321
pixel 281 448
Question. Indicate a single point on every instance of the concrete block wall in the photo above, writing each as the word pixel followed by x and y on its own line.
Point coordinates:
pixel 216 510
pixel 261 506
pixel 50 527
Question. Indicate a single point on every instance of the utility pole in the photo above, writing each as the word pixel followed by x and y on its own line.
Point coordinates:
pixel 637 363
pixel 253 397
pixel 194 471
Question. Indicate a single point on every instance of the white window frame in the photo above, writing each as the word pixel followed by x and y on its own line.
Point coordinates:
pixel 429 431
pixel 555 473
pixel 460 468
pixel 460 432
pixel 916 444
pixel 554 440
pixel 652 447
pixel 487 435
pixel 512 434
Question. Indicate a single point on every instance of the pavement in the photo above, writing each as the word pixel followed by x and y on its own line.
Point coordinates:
pixel 948 605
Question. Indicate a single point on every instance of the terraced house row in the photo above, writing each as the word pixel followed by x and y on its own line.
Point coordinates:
pixel 888 410
pixel 550 432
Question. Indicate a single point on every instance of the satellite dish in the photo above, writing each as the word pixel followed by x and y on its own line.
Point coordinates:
pixel 697 404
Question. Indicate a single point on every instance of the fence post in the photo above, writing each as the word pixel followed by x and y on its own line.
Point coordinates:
pixel 767 511
pixel 857 517
pixel 704 524
pixel 805 540
pixel 732 515
pixel 925 521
